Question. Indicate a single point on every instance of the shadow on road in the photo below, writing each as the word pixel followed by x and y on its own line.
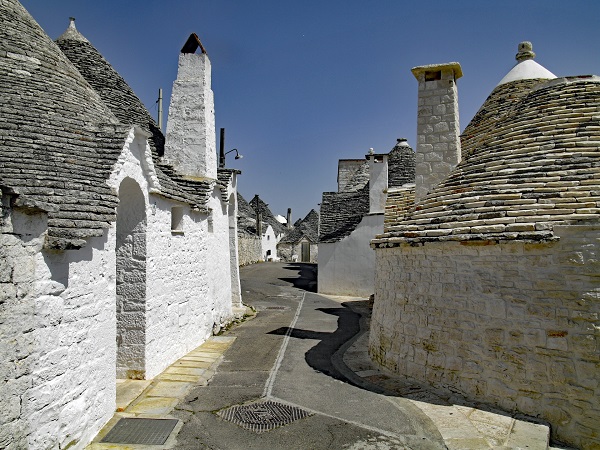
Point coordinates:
pixel 324 356
pixel 307 276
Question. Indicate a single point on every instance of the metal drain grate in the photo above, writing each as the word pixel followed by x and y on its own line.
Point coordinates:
pixel 276 307
pixel 140 431
pixel 263 415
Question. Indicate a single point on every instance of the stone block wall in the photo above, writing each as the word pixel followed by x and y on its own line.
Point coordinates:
pixel 514 324
pixel 249 249
pixel 57 328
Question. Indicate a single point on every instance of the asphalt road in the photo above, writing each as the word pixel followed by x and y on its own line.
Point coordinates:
pixel 291 355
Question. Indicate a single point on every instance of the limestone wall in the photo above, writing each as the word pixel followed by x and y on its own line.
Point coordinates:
pixel 57 328
pixel 438 144
pixel 513 324
pixel 347 267
pixel 249 249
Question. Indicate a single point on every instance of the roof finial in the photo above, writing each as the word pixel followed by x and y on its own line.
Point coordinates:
pixel 525 51
pixel 71 22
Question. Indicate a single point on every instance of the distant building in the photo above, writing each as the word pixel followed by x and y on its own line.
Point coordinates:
pixel 256 221
pixel 354 215
pixel 118 248
pixel 300 244
pixel 488 284
pixel 250 249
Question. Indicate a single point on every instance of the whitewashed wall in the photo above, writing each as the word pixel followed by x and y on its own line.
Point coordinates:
pixel 188 282
pixel 57 326
pixel 347 267
pixel 512 324
pixel 269 243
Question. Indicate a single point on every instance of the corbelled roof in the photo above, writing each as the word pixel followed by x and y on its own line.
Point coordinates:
pixel 401 164
pixel 58 140
pixel 531 163
pixel 127 107
pixel 306 228
pixel 341 212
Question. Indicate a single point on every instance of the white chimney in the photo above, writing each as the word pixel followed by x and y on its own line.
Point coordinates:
pixel 378 182
pixel 190 145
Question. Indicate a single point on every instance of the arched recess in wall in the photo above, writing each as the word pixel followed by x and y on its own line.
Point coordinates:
pixel 131 281
pixel 236 291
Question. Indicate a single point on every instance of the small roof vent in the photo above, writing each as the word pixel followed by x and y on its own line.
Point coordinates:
pixel 193 44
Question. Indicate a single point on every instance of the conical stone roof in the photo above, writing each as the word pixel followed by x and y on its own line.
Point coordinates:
pixel 531 161
pixel 128 108
pixel 58 140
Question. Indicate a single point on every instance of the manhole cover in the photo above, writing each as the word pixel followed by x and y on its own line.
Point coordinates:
pixel 140 431
pixel 263 416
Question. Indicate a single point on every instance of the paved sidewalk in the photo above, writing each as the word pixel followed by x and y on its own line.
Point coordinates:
pixel 156 399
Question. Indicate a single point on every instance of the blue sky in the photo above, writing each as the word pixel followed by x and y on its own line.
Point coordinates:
pixel 301 84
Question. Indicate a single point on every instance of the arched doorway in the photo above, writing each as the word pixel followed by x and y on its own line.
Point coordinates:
pixel 131 281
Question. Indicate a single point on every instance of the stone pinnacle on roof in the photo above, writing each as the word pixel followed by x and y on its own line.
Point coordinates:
pixel 526 68
pixel 525 51
pixel 402 142
pixel 71 33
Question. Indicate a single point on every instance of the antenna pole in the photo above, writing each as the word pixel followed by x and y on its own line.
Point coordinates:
pixel 160 109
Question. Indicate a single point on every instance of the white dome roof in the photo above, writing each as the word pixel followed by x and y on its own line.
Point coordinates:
pixel 526 68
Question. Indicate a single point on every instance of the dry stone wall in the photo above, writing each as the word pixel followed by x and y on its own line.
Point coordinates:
pixel 249 249
pixel 514 324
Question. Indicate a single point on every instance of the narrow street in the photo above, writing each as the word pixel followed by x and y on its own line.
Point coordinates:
pixel 287 366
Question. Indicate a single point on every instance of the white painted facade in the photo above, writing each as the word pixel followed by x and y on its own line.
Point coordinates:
pixel 60 312
pixel 347 267
pixel 128 304
pixel 269 242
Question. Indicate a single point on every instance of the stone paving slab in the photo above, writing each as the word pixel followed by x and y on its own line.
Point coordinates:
pixel 156 398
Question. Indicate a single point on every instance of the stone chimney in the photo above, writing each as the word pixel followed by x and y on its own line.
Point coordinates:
pixel 378 181
pixel 289 218
pixel 258 223
pixel 190 145
pixel 438 131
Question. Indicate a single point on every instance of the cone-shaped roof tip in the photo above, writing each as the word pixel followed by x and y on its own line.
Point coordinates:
pixel 526 68
pixel 71 33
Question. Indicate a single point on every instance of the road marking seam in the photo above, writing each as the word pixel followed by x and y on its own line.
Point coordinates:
pixel 271 381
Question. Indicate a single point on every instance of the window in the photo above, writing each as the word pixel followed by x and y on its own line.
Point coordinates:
pixel 177 219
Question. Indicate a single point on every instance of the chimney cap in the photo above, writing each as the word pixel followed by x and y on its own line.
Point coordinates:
pixel 192 44
pixel 454 66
